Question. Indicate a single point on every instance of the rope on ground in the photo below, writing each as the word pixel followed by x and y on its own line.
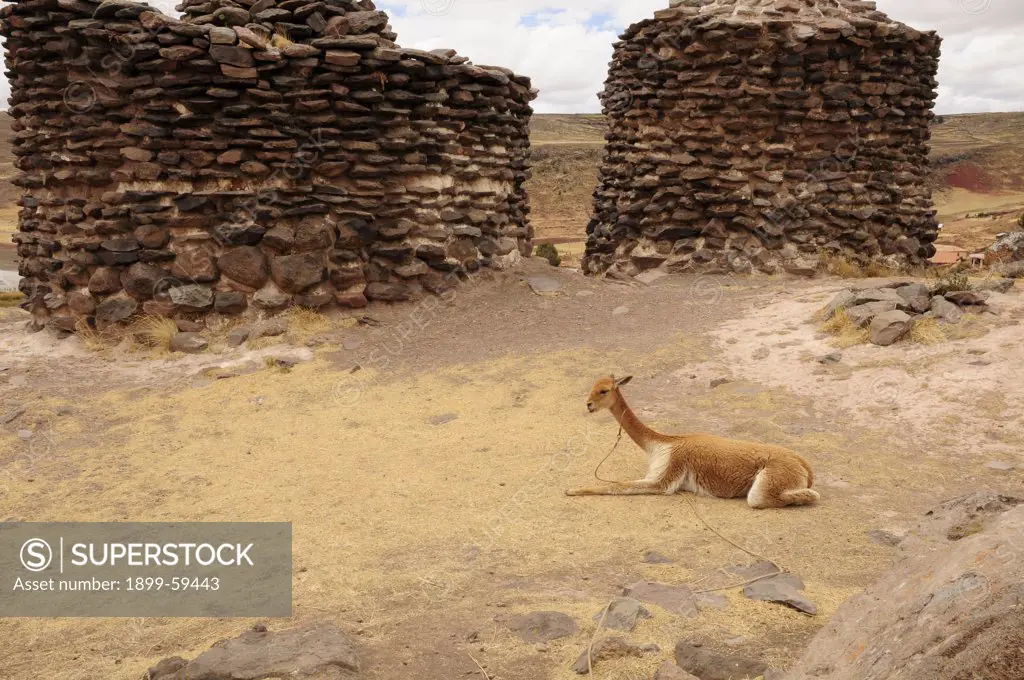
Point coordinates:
pixel 779 569
pixel 602 479
pixel 590 646
pixel 482 671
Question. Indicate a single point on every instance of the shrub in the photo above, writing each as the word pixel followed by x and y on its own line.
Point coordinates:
pixel 550 253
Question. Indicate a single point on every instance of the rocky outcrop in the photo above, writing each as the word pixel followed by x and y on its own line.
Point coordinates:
pixel 951 608
pixel 286 152
pixel 321 651
pixel 753 134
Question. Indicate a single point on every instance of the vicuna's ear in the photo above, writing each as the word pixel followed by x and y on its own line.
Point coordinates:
pixel 622 381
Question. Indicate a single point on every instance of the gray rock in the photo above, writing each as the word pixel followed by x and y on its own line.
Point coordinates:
pixel 861 315
pixel 544 285
pixel 239 335
pixel 946 610
pixel 623 614
pixel 783 589
pixel 610 648
pixel 12 415
pixel 271 328
pixel 192 298
pixel 322 651
pixel 543 626
pixel 655 557
pixel 1013 270
pixel 862 297
pixel 711 601
pixel 944 310
pixel 190 343
pixel 888 327
pixel 670 671
pixel 270 297
pixel 116 309
pixel 965 298
pixel 841 301
pixel 718 382
pixel 886 537
pixel 833 358
pixel 995 285
pixel 694 658
pixel 917 296
pixel 752 571
pixel 676 599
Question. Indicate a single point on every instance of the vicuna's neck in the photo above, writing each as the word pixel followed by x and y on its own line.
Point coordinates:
pixel 644 436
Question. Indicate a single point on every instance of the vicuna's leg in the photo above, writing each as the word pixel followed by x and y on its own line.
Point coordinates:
pixel 637 488
pixel 779 487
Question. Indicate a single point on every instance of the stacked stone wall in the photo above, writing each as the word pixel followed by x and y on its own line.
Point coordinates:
pixel 756 134
pixel 266 154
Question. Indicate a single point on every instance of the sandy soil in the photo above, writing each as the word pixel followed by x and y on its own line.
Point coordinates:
pixel 426 488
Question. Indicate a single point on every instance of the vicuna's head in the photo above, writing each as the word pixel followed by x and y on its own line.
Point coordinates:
pixel 605 392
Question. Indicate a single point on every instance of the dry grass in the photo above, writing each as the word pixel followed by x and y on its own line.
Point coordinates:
pixel 926 332
pixel 156 332
pixel 12 299
pixel 303 323
pixel 844 331
pixel 368 535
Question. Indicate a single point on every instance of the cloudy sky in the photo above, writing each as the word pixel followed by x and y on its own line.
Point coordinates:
pixel 565 45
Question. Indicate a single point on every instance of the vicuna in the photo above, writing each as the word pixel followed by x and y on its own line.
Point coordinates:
pixel 769 476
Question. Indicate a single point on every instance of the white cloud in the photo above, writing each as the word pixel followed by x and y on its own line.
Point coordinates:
pixel 565 45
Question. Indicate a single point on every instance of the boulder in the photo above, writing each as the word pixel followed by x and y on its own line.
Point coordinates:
pixel 949 609
pixel 944 310
pixel 888 327
pixel 695 658
pixel 193 298
pixel 296 273
pixel 917 297
pixel 116 309
pixel 670 671
pixel 321 651
pixel 965 298
pixel 245 265
pixel 861 315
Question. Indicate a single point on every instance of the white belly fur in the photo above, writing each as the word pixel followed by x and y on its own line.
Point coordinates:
pixel 660 455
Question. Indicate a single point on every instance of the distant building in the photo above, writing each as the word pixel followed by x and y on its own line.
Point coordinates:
pixel 949 254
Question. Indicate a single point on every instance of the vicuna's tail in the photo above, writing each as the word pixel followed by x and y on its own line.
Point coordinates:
pixel 801 497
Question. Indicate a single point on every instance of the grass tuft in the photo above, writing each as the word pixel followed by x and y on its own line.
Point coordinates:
pixel 844 331
pixel 926 331
pixel 155 331
pixel 303 323
pixel 11 299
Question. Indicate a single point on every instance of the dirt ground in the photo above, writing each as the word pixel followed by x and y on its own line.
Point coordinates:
pixel 426 488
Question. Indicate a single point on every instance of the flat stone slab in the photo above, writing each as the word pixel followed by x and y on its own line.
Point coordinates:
pixel 258 654
pixel 544 285
pixel 623 614
pixel 543 626
pixel 676 599
pixel 782 589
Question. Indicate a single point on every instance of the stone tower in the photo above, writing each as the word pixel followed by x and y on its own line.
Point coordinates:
pixel 755 134
pixel 252 154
